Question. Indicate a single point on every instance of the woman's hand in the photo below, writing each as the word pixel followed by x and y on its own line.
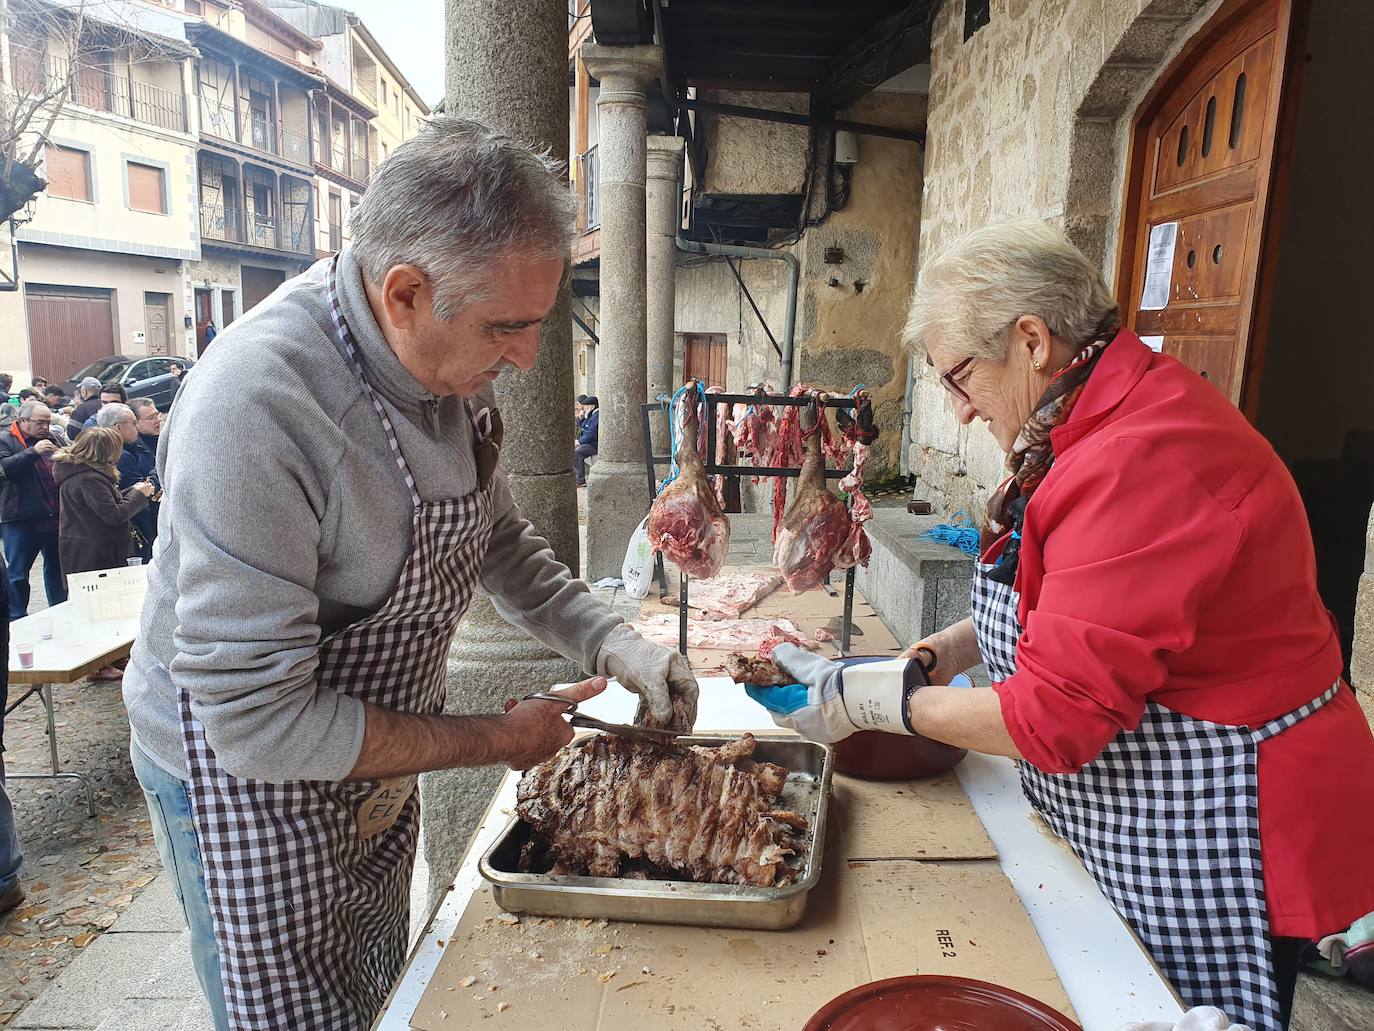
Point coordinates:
pixel 145 488
pixel 951 650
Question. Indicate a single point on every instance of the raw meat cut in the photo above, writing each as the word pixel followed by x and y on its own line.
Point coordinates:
pixel 756 429
pixel 730 594
pixel 817 534
pixel 740 635
pixel 605 803
pixel 686 522
pixel 750 669
pixel 779 635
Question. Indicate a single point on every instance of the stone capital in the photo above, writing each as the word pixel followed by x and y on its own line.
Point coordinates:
pixel 664 157
pixel 623 68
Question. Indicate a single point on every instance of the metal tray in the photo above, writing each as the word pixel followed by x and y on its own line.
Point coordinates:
pixel 807 791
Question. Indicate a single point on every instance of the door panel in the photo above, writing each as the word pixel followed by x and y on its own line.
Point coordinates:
pixel 69 327
pixel 1203 157
pixel 704 358
pixel 156 312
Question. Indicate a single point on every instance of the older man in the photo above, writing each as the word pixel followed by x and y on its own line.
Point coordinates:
pixel 29 506
pixel 138 463
pixel 288 683
pixel 87 402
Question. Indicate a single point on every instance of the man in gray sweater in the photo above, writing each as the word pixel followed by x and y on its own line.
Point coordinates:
pixel 288 681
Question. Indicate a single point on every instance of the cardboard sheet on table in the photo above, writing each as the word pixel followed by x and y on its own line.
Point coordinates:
pixel 865 921
pixel 914 819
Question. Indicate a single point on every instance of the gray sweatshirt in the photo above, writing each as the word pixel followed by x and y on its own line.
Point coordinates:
pixel 285 518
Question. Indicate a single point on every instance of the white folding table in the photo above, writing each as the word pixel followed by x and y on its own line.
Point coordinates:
pixel 78 647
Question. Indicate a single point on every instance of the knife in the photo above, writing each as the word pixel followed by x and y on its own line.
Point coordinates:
pixel 633 732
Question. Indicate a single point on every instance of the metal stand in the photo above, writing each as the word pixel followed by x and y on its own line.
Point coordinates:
pixel 651 464
pixel 44 691
pixel 682 613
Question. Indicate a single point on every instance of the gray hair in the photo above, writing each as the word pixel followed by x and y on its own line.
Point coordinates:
pixel 454 200
pixel 27 409
pixel 971 293
pixel 90 383
pixel 113 413
pixel 138 404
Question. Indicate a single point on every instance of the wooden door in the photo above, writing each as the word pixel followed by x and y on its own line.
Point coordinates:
pixel 704 355
pixel 69 327
pixel 204 316
pixel 157 311
pixel 1201 173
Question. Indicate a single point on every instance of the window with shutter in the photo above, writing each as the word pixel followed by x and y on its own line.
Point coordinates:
pixel 146 188
pixel 68 171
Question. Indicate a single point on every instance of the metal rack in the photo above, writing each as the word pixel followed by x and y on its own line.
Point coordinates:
pixel 713 468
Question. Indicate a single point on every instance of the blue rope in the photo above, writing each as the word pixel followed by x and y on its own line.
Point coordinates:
pixel 672 431
pixel 961 534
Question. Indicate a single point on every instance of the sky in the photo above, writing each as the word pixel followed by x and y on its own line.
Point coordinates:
pixel 412 33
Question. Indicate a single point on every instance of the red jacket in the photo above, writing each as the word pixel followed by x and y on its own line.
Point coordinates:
pixel 1167 558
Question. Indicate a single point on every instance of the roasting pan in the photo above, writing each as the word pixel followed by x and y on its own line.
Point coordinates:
pixel 807 791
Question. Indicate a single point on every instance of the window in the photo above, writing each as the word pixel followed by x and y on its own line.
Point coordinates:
pixel 193 7
pixel 68 171
pixel 383 91
pixel 147 188
pixel 384 152
pixel 396 103
pixel 407 121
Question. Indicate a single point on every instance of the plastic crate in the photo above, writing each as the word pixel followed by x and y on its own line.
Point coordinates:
pixel 108 593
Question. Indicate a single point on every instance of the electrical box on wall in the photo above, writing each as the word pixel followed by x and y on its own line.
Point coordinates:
pixel 846 148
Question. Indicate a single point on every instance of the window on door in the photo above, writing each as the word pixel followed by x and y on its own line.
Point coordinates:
pixel 68 171
pixel 147 188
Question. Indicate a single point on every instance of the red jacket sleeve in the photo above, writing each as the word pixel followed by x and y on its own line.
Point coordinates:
pixel 1119 556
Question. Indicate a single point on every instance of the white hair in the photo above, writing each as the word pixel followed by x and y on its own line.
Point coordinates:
pixel 113 413
pixel 971 293
pixel 454 200
pixel 27 409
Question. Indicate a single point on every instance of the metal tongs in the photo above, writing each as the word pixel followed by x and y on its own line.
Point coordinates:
pixel 649 735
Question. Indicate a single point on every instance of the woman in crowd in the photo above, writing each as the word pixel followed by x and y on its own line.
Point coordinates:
pixel 93 531
pixel 1146 605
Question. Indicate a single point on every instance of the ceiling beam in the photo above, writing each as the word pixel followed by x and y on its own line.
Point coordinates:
pixel 891 46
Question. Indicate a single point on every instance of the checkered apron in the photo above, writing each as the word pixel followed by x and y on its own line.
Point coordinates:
pixel 310 896
pixel 1166 820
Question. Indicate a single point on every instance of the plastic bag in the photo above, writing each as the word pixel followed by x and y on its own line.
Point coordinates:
pixel 638 568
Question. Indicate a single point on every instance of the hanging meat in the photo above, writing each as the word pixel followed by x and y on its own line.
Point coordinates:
pixel 756 428
pixel 605 807
pixel 686 522
pixel 817 534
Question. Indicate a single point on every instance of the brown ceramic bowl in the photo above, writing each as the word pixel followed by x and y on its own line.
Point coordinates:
pixel 873 755
pixel 936 1003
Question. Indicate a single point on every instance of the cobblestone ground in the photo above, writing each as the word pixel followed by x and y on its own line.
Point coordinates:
pixel 79 873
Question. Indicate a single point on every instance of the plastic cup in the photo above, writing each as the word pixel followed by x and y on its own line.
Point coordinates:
pixel 135 561
pixel 42 626
pixel 25 652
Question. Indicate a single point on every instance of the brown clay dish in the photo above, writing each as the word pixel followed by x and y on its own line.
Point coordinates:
pixel 936 1003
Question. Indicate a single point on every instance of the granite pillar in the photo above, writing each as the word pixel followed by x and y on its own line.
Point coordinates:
pixel 507 66
pixel 616 496
pixel 663 198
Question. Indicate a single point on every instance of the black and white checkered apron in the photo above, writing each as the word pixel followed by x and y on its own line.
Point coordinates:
pixel 1166 820
pixel 311 914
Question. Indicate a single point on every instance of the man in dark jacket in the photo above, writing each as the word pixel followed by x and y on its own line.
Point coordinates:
pixel 138 463
pixel 88 403
pixel 587 434
pixel 29 506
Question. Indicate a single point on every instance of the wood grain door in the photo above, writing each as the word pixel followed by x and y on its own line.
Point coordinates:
pixel 69 327
pixel 1199 188
pixel 157 311
pixel 704 357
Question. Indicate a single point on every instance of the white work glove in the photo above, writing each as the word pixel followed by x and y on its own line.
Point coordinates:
pixel 832 700
pixel 655 673
pixel 1200 1018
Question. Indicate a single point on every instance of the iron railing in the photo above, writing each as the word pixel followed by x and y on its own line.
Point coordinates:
pixel 255 130
pixel 589 172
pixel 235 225
pixel 99 89
pixel 337 158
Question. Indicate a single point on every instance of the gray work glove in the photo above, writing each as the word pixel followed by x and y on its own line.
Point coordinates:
pixel 1199 1018
pixel 660 676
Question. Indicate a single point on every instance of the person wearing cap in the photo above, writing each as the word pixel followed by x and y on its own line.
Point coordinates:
pixel 584 446
pixel 88 402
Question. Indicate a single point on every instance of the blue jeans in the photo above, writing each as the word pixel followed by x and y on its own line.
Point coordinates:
pixel 22 545
pixel 11 855
pixel 169 806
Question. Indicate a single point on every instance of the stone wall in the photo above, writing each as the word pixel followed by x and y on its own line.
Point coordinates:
pixel 1029 118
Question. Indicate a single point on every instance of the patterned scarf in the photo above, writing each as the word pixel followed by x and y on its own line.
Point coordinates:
pixel 1033 454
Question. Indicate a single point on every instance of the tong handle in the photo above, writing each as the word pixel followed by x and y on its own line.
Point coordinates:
pixel 547 696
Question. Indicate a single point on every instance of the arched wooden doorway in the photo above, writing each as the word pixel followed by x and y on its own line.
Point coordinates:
pixel 1205 172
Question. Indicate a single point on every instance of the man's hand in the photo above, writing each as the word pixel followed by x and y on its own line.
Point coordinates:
pixel 536 729
pixel 658 675
pixel 44 447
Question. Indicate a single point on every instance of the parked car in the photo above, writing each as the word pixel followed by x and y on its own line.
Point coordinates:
pixel 141 375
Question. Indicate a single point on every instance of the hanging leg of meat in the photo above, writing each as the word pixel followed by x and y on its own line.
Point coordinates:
pixel 817 526
pixel 706 814
pixel 686 522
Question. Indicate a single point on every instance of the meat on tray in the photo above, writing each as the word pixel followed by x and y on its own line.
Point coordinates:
pixel 605 805
pixel 686 522
pixel 737 635
pixel 728 595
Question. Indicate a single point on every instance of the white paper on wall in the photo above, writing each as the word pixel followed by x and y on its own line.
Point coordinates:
pixel 1153 343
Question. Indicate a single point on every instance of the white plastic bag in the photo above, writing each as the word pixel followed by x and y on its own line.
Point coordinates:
pixel 638 568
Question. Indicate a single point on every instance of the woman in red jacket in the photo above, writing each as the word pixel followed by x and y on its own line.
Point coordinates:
pixel 1146 605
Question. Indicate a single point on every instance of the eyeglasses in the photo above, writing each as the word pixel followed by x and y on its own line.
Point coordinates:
pixel 947 380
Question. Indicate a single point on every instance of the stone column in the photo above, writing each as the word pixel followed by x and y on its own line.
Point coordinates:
pixel 507 66
pixel 616 496
pixel 664 213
